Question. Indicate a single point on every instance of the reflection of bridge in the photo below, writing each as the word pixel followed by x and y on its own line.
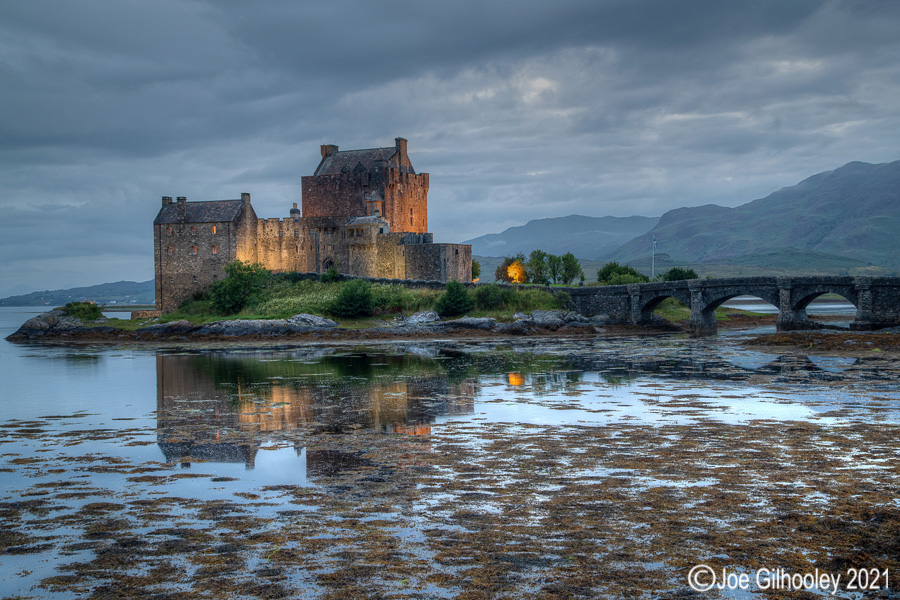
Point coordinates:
pixel 877 299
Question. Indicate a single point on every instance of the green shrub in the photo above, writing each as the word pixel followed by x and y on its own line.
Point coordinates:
pixel 354 300
pixel 242 286
pixel 612 273
pixel 455 300
pixel 330 276
pixel 489 297
pixel 679 274
pixel 83 309
pixel 392 298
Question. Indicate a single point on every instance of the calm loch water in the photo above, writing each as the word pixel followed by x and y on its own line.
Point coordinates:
pixel 526 469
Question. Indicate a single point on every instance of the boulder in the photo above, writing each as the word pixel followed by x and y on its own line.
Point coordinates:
pixel 548 318
pixel 421 318
pixel 470 323
pixel 40 324
pixel 312 321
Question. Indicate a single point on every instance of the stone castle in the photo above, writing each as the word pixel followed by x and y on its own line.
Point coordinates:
pixel 365 213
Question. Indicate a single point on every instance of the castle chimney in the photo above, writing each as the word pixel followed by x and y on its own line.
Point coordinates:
pixel 401 147
pixel 182 208
pixel 166 200
pixel 328 150
pixel 245 198
pixel 295 212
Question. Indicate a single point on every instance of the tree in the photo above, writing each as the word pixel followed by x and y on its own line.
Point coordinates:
pixel 612 273
pixel 242 286
pixel 625 278
pixel 554 268
pixel 679 274
pixel 571 268
pixel 476 270
pixel 354 300
pixel 454 301
pixel 512 269
pixel 536 269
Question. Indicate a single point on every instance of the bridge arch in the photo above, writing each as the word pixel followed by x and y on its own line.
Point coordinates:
pixel 651 301
pixel 708 299
pixel 803 291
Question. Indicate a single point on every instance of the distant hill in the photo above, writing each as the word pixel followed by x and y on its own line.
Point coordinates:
pixel 585 237
pixel 121 292
pixel 851 214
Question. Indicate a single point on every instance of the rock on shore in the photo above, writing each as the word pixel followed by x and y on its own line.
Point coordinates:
pixel 57 325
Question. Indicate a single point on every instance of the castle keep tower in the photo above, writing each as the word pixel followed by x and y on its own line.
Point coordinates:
pixel 376 182
pixel 365 213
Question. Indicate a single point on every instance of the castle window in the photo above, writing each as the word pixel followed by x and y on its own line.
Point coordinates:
pixel 168 231
pixel 195 279
pixel 456 251
pixel 215 249
pixel 214 230
pixel 193 230
pixel 410 221
pixel 193 249
pixel 171 280
pixel 381 230
pixel 351 233
pixel 170 250
pixel 296 234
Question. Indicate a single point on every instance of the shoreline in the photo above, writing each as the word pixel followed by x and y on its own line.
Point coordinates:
pixel 55 328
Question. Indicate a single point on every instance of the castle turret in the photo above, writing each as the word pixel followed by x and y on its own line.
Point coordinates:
pixel 295 212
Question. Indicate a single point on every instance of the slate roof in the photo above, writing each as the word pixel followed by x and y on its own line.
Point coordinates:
pixel 214 211
pixel 371 220
pixel 347 161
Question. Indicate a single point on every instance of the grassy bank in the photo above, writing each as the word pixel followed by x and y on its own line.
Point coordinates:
pixel 281 298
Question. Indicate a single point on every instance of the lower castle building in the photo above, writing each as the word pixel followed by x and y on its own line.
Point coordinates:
pixel 365 213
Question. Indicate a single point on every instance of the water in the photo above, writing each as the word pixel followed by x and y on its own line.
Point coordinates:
pixel 594 467
pixel 817 307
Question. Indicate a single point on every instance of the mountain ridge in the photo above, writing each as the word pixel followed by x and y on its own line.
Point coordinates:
pixel 852 211
pixel 586 237
pixel 119 292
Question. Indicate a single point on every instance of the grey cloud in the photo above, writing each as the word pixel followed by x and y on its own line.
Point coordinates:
pixel 519 110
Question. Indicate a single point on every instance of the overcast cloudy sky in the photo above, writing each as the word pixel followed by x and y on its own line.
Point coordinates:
pixel 519 109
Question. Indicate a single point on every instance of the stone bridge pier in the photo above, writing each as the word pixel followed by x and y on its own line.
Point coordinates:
pixel 877 300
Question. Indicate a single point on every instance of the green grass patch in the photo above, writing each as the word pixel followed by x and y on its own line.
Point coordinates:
pixel 674 310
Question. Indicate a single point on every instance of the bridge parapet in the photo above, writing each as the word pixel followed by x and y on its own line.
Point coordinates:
pixel 877 299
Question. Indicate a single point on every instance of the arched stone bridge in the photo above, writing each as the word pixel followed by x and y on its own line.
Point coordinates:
pixel 877 299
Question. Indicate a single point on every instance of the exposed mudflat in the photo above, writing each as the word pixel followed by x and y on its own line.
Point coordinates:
pixel 601 468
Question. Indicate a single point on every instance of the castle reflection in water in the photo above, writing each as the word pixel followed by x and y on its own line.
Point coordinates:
pixel 221 407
